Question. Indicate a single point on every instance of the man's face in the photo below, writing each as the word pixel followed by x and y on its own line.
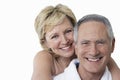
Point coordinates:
pixel 93 47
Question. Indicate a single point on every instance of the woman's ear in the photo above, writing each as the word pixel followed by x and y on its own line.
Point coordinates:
pixel 44 43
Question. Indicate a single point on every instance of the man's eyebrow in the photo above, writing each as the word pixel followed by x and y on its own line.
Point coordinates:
pixel 101 40
pixel 84 41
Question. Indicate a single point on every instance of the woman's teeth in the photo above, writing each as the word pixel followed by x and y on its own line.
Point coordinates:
pixel 66 48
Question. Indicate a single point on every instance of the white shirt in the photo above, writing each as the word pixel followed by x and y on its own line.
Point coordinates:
pixel 70 73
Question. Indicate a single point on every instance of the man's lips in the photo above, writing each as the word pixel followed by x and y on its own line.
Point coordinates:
pixel 94 59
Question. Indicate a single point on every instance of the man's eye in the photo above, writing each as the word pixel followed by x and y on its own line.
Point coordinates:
pixel 84 43
pixel 100 42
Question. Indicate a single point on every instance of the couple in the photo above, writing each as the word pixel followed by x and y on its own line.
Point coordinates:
pixel 92 44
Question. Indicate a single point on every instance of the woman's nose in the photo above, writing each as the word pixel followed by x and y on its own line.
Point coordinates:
pixel 64 40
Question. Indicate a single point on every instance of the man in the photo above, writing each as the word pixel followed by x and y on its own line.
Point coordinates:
pixel 94 43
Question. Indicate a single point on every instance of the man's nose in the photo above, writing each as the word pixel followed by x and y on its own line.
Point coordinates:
pixel 94 50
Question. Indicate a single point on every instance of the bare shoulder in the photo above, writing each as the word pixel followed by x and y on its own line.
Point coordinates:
pixel 43 59
pixel 42 66
pixel 114 69
pixel 42 55
pixel 116 74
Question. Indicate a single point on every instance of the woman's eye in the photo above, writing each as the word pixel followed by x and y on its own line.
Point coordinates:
pixel 68 31
pixel 55 36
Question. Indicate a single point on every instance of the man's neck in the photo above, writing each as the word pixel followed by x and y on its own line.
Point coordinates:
pixel 86 75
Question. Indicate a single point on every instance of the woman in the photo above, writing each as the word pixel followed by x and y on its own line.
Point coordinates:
pixel 54 26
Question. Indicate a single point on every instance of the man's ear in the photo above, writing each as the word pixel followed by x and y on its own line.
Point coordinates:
pixel 76 50
pixel 113 45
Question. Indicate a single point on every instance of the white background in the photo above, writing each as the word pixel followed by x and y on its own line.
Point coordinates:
pixel 19 42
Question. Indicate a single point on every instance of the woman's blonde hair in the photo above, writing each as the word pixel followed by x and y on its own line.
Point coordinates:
pixel 49 17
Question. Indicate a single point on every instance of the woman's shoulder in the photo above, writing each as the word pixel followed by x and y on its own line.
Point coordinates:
pixel 42 65
pixel 43 55
pixel 43 52
pixel 44 60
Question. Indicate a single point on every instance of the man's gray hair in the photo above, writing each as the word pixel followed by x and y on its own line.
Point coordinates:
pixel 94 17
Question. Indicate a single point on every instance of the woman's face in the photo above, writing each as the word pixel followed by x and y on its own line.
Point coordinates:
pixel 60 39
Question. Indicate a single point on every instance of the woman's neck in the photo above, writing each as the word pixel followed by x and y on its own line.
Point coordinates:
pixel 60 64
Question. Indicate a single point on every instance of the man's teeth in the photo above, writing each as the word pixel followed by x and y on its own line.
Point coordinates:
pixel 93 60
